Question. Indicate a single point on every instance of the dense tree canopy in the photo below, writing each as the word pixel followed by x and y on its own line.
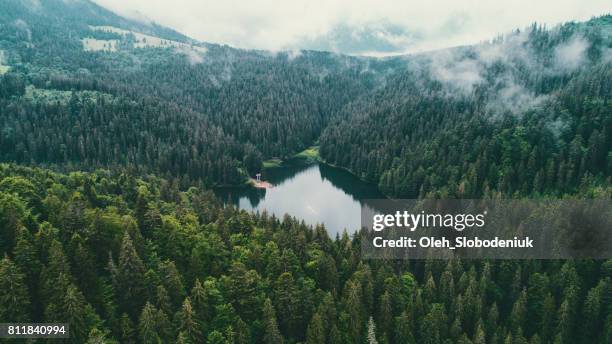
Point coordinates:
pixel 197 271
pixel 117 232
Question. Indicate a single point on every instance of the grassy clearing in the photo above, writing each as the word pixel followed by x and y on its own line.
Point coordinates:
pixel 272 163
pixel 92 44
pixel 51 95
pixel 310 153
pixel 43 95
pixel 141 40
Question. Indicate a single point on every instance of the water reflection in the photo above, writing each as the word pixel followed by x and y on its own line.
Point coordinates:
pixel 315 193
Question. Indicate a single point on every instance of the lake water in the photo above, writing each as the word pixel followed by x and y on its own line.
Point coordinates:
pixel 316 193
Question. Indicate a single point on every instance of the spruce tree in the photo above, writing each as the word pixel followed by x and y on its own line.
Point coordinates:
pixel 14 299
pixel 316 331
pixel 129 279
pixel 271 333
pixel 148 325
pixel 187 322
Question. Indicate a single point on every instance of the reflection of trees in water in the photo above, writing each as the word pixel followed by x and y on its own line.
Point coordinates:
pixel 341 179
pixel 255 195
pixel 286 172
pixel 276 176
pixel 233 195
pixel 349 184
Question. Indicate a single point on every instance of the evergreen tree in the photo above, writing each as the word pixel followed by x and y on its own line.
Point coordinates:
pixel 316 331
pixel 187 322
pixel 271 333
pixel 372 332
pixel 14 300
pixel 147 325
pixel 129 277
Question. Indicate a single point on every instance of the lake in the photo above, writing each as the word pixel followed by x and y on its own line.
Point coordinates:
pixel 316 193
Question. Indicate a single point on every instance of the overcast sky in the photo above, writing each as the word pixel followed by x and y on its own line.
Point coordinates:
pixel 373 27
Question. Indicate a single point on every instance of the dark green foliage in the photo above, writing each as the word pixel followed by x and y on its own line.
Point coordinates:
pixel 271 331
pixel 527 125
pixel 14 299
pixel 153 109
pixel 249 300
pixel 123 255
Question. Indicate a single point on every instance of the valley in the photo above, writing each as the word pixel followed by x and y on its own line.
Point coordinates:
pixel 126 148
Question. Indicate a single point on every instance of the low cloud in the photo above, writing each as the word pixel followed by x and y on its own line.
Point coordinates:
pixel 462 73
pixel 571 54
pixel 514 98
pixel 24 27
pixel 193 56
pixel 278 25
pixel 463 69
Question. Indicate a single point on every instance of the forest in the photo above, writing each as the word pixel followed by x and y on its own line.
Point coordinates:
pixel 109 153
pixel 136 260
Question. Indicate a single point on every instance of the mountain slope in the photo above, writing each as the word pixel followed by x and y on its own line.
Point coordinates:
pixel 249 104
pixel 212 113
pixel 527 113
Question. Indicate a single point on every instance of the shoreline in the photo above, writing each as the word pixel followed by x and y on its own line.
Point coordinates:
pixel 261 184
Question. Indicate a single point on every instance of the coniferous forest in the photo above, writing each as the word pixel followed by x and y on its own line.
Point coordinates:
pixel 113 134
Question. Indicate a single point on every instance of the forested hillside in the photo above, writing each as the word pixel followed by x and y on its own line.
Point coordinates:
pixel 136 260
pixel 184 97
pixel 527 113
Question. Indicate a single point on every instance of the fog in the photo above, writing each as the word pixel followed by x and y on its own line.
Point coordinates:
pixel 460 70
pixel 371 27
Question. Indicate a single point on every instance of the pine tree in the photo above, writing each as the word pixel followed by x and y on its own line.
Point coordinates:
pixel 271 333
pixel 173 282
pixel 127 334
pixel 162 300
pixel 187 322
pixel 372 332
pixel 242 289
pixel 96 336
pixel 243 333
pixel 56 276
pixel 519 312
pixel 385 315
pixel 71 307
pixel 199 301
pixel 354 309
pixel 12 213
pixel 26 258
pixel 130 278
pixel 147 325
pixel 14 300
pixel 214 337
pixel 592 312
pixel 315 333
pixel 433 326
pixel 479 336
pixel 286 298
pixel 403 329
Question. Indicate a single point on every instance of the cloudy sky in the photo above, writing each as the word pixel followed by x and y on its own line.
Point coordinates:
pixel 371 27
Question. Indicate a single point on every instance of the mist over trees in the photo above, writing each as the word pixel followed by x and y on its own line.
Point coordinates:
pixel 525 113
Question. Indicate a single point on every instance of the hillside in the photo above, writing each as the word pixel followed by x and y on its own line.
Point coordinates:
pixel 211 113
pixel 527 113
pixel 252 103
